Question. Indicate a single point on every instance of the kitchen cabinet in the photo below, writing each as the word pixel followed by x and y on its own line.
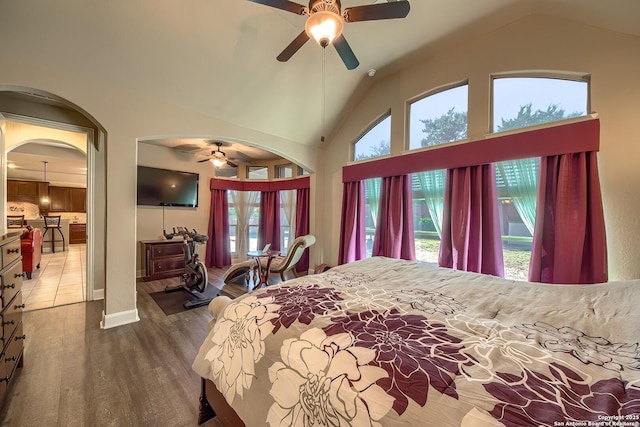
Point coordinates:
pixel 30 192
pixel 67 199
pixel 59 200
pixel 77 199
pixel 77 233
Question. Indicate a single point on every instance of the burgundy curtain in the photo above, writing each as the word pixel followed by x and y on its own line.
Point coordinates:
pixel 471 238
pixel 569 240
pixel 394 230
pixel 218 244
pixel 269 223
pixel 352 227
pixel 302 224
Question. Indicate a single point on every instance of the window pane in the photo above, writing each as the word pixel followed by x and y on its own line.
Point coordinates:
pixel 233 222
pixel 375 142
pixel 254 220
pixel 372 199
pixel 227 171
pixel 284 171
pixel 428 205
pixel 517 184
pixel 526 101
pixel 287 217
pixel 258 172
pixel 439 118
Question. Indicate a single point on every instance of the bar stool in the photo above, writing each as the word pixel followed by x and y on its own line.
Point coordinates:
pixel 15 221
pixel 53 223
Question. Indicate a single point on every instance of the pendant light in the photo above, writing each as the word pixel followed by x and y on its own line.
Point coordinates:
pixel 45 199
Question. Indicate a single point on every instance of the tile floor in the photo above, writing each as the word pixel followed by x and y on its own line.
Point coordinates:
pixel 60 280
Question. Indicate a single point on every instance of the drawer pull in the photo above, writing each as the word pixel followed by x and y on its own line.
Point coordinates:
pixel 11 286
pixel 20 306
pixel 21 337
pixel 13 251
pixel 19 275
pixel 10 359
pixel 9 322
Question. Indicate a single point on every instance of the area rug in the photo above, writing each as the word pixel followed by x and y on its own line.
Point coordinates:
pixel 173 302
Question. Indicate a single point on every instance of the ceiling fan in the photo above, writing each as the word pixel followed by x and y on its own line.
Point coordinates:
pixel 326 20
pixel 217 157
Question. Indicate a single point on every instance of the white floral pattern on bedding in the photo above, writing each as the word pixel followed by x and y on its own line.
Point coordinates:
pixel 390 342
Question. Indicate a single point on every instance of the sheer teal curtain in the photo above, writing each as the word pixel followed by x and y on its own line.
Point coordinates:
pixel 372 195
pixel 432 186
pixel 521 179
pixel 372 202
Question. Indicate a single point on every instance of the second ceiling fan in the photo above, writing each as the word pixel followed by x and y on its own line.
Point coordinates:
pixel 326 20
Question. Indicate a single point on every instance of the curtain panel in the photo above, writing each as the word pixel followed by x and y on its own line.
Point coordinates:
pixel 269 224
pixel 218 244
pixel 471 238
pixel 394 228
pixel 302 224
pixel 569 243
pixel 352 225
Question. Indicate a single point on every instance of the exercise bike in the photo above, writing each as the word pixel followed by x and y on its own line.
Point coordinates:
pixel 195 278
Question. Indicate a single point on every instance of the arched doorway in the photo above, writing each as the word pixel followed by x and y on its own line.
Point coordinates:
pixel 38 108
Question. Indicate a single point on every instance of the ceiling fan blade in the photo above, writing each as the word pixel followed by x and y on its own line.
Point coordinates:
pixel 289 6
pixel 345 52
pixel 202 161
pixel 372 12
pixel 293 47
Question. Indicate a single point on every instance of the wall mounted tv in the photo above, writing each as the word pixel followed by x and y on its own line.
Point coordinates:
pixel 163 187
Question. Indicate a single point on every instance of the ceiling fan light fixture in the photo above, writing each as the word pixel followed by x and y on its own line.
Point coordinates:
pixel 324 27
pixel 219 159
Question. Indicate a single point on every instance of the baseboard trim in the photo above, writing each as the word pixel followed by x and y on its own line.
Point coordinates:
pixel 119 319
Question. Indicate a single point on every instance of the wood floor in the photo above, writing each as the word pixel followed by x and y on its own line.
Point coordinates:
pixel 76 374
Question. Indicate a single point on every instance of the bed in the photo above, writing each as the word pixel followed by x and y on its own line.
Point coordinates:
pixel 386 342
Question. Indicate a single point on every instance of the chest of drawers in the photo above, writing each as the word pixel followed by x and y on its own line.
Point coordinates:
pixel 163 259
pixel 11 277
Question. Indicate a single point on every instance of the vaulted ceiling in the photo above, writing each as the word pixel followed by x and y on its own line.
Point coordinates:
pixel 218 57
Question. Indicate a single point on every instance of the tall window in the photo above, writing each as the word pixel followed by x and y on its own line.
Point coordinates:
pixel 519 102
pixel 244 213
pixel 428 205
pixel 526 101
pixel 439 118
pixel 372 200
pixel 375 142
pixel 287 217
pixel 233 220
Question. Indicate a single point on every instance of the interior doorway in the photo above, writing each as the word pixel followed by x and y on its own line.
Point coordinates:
pixel 55 161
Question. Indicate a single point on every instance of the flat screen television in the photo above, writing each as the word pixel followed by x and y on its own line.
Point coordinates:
pixel 163 187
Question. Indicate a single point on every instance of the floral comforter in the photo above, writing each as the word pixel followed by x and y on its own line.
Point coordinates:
pixel 397 343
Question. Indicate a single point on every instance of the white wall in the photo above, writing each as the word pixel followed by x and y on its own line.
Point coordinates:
pixel 533 43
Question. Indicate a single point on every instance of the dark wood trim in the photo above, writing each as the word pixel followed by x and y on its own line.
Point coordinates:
pixel 224 413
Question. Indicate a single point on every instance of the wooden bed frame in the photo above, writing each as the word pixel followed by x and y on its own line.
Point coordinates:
pixel 213 404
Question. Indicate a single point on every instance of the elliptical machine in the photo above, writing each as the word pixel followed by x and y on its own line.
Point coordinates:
pixel 195 278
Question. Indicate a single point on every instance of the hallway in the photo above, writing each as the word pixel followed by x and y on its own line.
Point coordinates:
pixel 60 280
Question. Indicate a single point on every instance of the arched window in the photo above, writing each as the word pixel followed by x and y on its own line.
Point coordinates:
pixel 439 118
pixel 375 142
pixel 519 102
pixel 527 101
